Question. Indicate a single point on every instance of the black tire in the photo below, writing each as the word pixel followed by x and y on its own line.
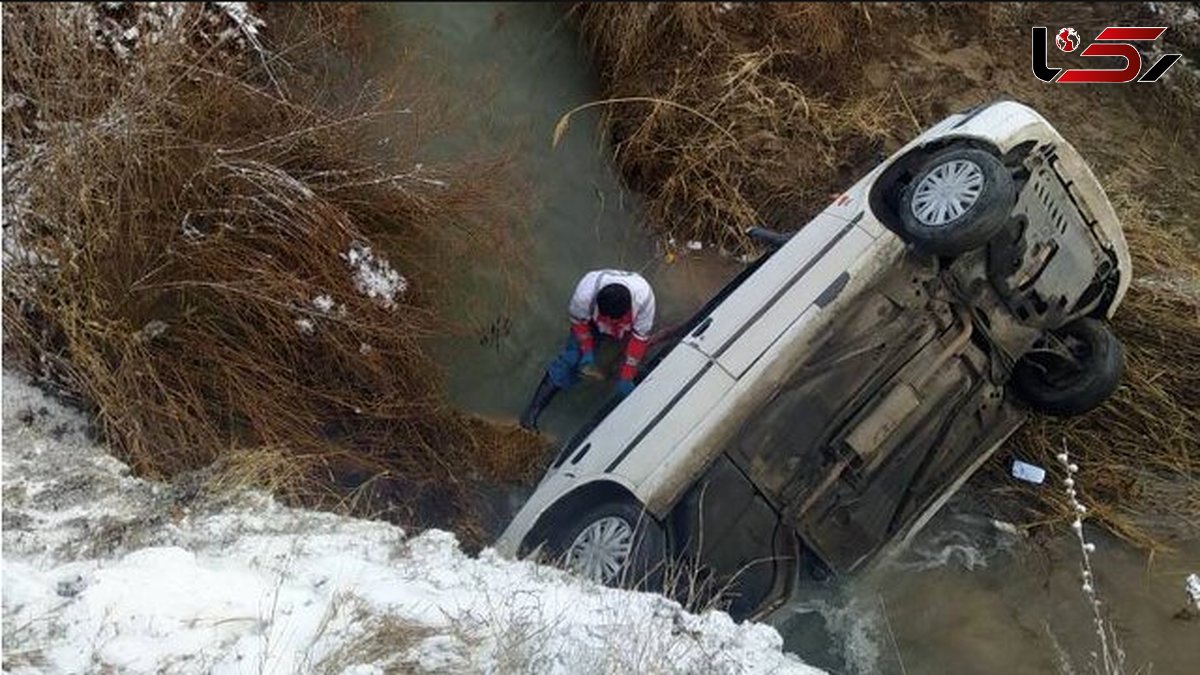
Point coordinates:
pixel 647 560
pixel 978 223
pixel 1052 386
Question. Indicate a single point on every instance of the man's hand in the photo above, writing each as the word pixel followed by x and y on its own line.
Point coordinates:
pixel 591 372
pixel 587 367
pixel 624 388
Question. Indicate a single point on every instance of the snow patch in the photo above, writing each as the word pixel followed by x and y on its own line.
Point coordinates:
pixel 323 303
pixel 123 28
pixel 109 573
pixel 374 277
pixel 244 21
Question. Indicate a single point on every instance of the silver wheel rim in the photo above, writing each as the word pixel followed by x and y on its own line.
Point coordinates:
pixel 947 192
pixel 601 550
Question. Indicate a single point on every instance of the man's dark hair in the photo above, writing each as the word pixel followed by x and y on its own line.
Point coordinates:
pixel 613 301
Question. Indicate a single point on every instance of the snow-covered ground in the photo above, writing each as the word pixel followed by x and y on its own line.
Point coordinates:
pixel 104 572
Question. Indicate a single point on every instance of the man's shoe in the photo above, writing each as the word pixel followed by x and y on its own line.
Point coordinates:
pixel 545 391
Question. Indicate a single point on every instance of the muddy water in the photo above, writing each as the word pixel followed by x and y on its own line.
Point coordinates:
pixel 523 68
pixel 965 597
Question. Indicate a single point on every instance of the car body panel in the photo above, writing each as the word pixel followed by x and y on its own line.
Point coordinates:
pixel 740 328
pixel 807 286
pixel 662 438
pixel 653 404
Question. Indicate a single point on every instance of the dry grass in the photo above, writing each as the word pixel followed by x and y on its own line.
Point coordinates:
pixel 752 116
pixel 760 114
pixel 379 640
pixel 171 221
pixel 693 158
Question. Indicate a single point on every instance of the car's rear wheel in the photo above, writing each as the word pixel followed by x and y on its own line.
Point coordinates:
pixel 614 543
pixel 957 201
pixel 1072 370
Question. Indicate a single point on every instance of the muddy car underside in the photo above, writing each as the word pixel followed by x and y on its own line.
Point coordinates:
pixel 891 411
pixel 899 403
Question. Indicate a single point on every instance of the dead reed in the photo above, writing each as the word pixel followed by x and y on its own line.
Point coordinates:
pixel 223 264
pixel 749 115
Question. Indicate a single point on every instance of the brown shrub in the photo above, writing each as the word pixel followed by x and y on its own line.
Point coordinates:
pixel 771 113
pixel 187 236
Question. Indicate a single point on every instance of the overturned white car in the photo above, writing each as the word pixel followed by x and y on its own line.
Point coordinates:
pixel 831 398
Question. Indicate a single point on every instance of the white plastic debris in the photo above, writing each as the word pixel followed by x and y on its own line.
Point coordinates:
pixel 1028 472
pixel 1006 527
pixel 695 245
pixel 1192 585
pixel 153 329
pixel 305 326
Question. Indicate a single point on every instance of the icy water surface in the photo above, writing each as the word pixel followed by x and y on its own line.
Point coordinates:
pixel 965 597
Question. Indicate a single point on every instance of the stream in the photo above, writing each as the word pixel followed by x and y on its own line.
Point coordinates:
pixel 964 597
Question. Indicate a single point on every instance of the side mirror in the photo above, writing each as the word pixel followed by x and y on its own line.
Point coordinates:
pixel 768 237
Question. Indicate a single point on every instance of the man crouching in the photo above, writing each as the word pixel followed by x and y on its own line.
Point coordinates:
pixel 607 304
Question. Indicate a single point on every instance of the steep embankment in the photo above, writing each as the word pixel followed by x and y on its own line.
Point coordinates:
pixel 105 572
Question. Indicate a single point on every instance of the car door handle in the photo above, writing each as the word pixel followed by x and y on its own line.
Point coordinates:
pixel 702 327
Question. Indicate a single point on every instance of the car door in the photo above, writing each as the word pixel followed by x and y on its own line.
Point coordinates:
pixel 633 440
pixel 814 262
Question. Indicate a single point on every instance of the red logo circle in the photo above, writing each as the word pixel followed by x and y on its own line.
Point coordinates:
pixel 1067 40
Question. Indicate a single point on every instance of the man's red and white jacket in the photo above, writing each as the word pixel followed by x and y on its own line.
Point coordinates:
pixel 636 324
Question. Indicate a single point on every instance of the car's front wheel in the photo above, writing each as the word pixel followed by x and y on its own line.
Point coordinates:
pixel 957 201
pixel 614 543
pixel 1072 370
